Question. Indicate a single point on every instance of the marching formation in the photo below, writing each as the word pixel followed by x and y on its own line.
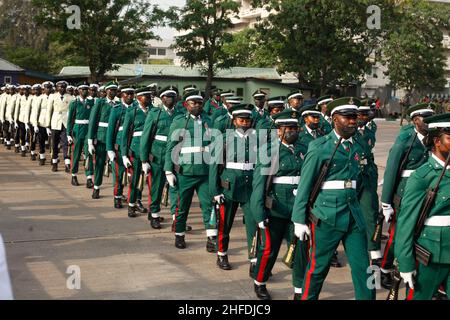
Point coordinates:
pixel 304 173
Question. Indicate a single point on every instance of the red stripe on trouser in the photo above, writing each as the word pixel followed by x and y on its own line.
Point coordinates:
pixel 221 225
pixel 389 243
pixel 149 185
pixel 312 265
pixel 265 256
pixel 116 185
pixel 130 172
pixel 176 214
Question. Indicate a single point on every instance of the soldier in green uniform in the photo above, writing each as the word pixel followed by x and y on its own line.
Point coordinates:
pixel 259 112
pixel 394 181
pixel 214 102
pixel 277 178
pixel 152 154
pixel 223 119
pixel 98 126
pixel 325 120
pixel 230 178
pixel 186 167
pixel 274 105
pixel 295 100
pixel 335 214
pixel 114 139
pixel 181 104
pixel 424 280
pixel 133 125
pixel 77 128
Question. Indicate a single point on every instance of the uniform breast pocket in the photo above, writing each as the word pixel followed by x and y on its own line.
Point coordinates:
pixel 431 240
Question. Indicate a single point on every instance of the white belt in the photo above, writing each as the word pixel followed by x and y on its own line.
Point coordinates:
pixel 194 149
pixel 240 166
pixel 339 184
pixel 82 121
pixel 103 124
pixel 161 138
pixel 407 173
pixel 137 134
pixel 286 180
pixel 438 221
pixel 120 128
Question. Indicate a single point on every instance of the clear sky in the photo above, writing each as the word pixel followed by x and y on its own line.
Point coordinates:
pixel 166 33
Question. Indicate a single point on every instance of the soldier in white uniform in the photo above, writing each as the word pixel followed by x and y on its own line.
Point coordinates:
pixel 36 91
pixel 4 93
pixel 20 115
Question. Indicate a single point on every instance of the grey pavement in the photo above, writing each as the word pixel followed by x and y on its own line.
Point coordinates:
pixel 48 226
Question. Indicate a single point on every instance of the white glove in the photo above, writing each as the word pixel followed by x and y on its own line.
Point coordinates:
pixel 91 148
pixel 219 198
pixel 146 167
pixel 111 155
pixel 262 224
pixel 408 278
pixel 36 129
pixel 294 192
pixel 171 179
pixel 69 140
pixel 49 131
pixel 301 230
pixel 388 211
pixel 126 162
pixel 27 127
pixel 16 125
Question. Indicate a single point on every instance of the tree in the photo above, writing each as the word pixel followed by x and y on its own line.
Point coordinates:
pixel 204 24
pixel 413 51
pixel 111 31
pixel 325 43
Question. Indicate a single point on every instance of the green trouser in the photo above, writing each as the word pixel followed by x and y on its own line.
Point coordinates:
pixel 155 182
pixel 186 187
pixel 428 280
pixel 368 200
pixel 100 160
pixel 301 259
pixel 134 172
pixel 118 171
pixel 324 241
pixel 79 145
pixel 225 220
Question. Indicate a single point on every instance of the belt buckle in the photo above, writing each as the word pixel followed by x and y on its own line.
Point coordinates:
pixel 348 184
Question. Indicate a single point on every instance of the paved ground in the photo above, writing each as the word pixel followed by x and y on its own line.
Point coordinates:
pixel 48 225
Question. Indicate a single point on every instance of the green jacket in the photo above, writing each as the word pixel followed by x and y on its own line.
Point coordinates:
pixel 332 206
pixel 99 119
pixel 372 126
pixel 305 138
pixel 324 125
pixel 435 239
pixel 212 105
pixel 134 116
pixel 188 160
pixel 115 125
pixel 218 113
pixel 160 118
pixel 180 107
pixel 417 157
pixel 79 111
pixel 235 184
pixel 258 117
pixel 290 164
pixel 223 122
pixel 369 170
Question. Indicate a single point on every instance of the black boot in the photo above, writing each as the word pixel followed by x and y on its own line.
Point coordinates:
pixel 96 194
pixel 89 184
pixel 54 167
pixel 118 203
pixel 33 157
pixel 386 280
pixel 261 292
pixel 297 296
pixel 179 242
pixel 132 212
pixel 440 295
pixel 23 153
pixel 222 262
pixel 67 168
pixel 335 262
pixel 251 269
pixel 211 244
pixel 75 181
pixel 155 223
pixel 140 207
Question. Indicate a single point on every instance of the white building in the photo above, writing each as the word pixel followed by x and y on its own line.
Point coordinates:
pixel 159 51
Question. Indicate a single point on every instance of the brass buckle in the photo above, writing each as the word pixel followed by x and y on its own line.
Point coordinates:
pixel 348 184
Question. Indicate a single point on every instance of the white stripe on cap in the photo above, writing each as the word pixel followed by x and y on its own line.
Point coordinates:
pixel 343 107
pixel 310 112
pixel 364 108
pixel 286 120
pixel 143 93
pixel 324 101
pixel 421 111
pixel 111 86
pixel 259 95
pixel 167 92
pixel 298 94
pixel 227 94
pixel 190 88
pixel 128 89
pixel 83 87
pixel 439 125
pixel 275 102
pixel 241 111
pixel 233 101
pixel 194 97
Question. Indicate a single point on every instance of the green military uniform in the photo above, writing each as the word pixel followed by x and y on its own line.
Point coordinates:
pixel 213 103
pixel 155 148
pixel 98 127
pixel 393 190
pixel 231 180
pixel 336 208
pixel 77 127
pixel 435 235
pixel 306 134
pixel 325 121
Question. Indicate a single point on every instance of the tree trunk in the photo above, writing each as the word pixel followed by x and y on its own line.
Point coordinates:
pixel 209 79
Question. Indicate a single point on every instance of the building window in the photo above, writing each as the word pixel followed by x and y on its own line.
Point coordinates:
pixel 7 80
pixel 240 92
pixel 161 52
pixel 152 51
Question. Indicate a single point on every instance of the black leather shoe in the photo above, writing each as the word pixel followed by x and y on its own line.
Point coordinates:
pixel 96 194
pixel 222 262
pixel 335 262
pixel 75 181
pixel 297 296
pixel 54 167
pixel 8 147
pixel 42 162
pixel 140 207
pixel 132 212
pixel 440 295
pixel 161 219
pixel 179 242
pixel 155 223
pixel 376 262
pixel 23 153
pixel 118 203
pixel 67 168
pixel 89 184
pixel 33 157
pixel 261 292
pixel 251 269
pixel 16 150
pixel 211 244
pixel 386 280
